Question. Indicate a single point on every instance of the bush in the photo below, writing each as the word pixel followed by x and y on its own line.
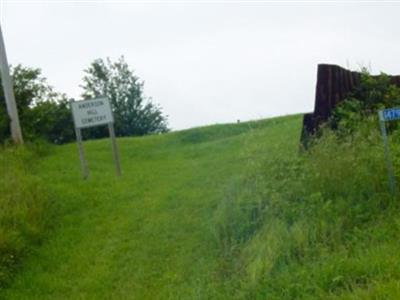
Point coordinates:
pixel 372 94
pixel 43 113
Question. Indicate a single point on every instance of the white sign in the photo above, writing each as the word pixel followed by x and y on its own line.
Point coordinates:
pixel 92 112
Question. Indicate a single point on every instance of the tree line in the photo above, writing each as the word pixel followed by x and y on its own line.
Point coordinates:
pixel 45 113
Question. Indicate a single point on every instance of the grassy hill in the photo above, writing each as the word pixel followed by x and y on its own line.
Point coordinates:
pixel 219 212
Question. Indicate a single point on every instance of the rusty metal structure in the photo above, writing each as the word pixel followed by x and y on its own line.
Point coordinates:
pixel 334 84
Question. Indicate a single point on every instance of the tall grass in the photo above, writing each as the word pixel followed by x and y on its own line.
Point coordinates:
pixel 317 224
pixel 24 206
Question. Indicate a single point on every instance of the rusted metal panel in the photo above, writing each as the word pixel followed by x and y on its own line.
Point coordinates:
pixel 334 84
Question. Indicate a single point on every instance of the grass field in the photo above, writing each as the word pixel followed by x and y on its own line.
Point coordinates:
pixel 219 212
pixel 148 234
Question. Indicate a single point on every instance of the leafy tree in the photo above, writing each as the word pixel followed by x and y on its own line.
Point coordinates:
pixel 43 113
pixel 52 121
pixel 133 113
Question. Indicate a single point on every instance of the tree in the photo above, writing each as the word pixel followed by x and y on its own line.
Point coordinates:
pixel 52 120
pixel 133 113
pixel 43 113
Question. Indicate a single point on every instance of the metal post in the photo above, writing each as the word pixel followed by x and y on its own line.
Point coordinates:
pixel 114 149
pixel 85 171
pixel 12 110
pixel 389 165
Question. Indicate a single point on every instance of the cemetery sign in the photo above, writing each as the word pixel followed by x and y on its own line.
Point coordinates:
pixel 89 113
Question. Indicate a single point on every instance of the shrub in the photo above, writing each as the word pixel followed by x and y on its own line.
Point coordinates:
pixel 373 93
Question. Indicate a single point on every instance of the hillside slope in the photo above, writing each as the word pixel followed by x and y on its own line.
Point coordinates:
pixel 149 234
pixel 221 212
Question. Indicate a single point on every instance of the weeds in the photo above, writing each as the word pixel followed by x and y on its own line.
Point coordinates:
pixel 303 226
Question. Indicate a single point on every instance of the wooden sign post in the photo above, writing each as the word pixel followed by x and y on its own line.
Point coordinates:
pixel 89 113
pixel 114 149
pixel 84 167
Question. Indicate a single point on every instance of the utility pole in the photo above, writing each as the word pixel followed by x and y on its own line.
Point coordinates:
pixel 12 110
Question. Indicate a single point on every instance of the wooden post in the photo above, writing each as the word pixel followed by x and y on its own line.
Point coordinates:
pixel 389 165
pixel 114 149
pixel 85 171
pixel 12 110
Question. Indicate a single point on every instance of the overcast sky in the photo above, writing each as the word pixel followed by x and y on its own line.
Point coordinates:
pixel 206 62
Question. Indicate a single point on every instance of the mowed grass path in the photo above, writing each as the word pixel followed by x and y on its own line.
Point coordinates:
pixel 148 234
